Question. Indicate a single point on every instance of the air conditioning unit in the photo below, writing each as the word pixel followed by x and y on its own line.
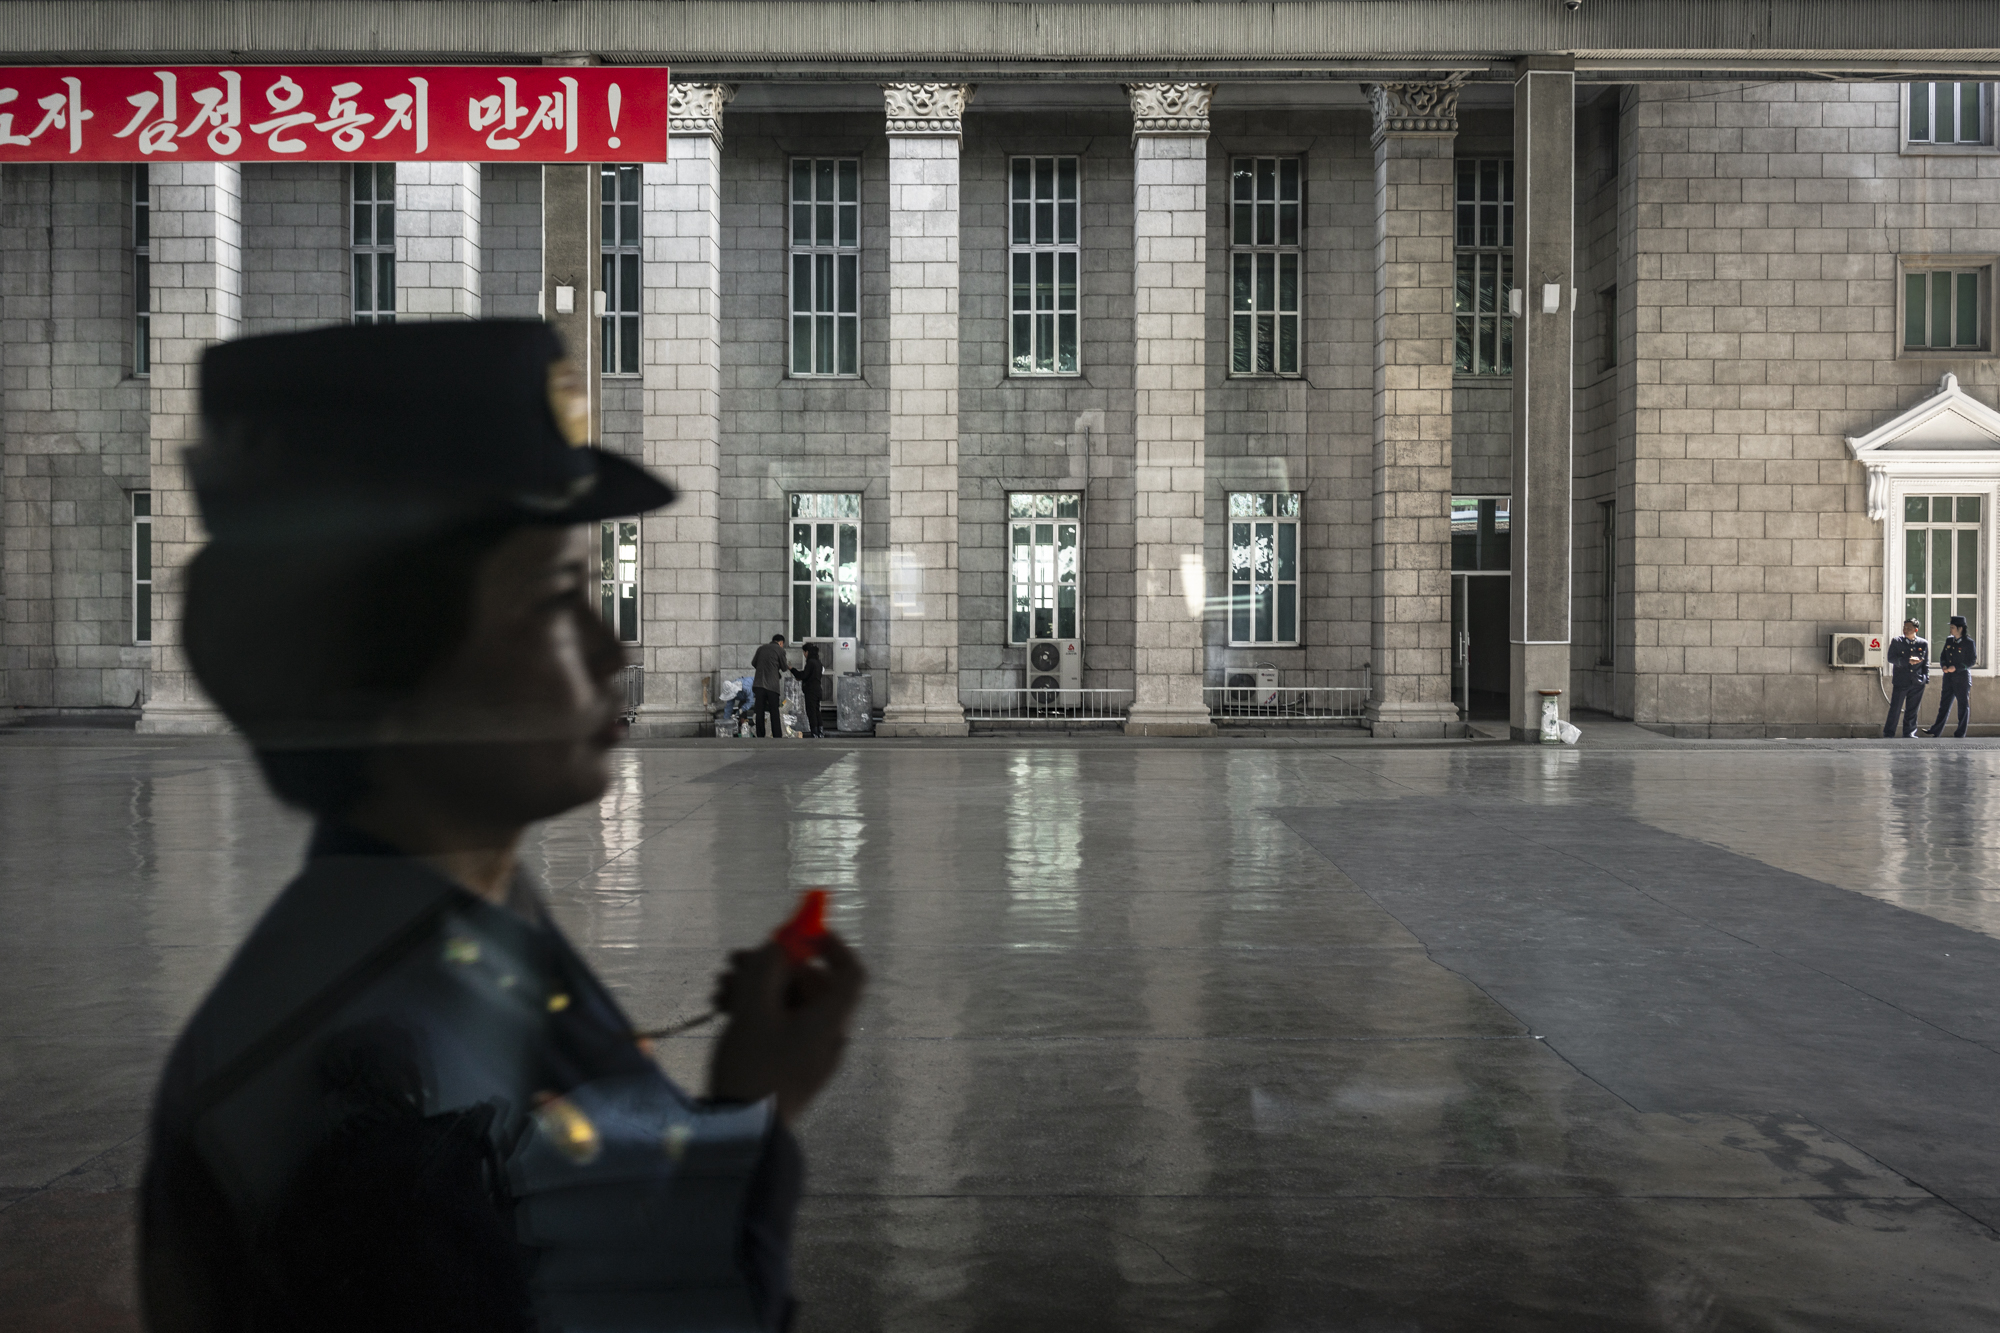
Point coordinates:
pixel 1855 650
pixel 1055 673
pixel 846 656
pixel 1252 687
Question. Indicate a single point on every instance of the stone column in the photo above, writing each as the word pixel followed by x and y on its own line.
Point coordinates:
pixel 1169 303
pixel 680 363
pixel 1416 128
pixel 1545 266
pixel 197 270
pixel 437 240
pixel 923 125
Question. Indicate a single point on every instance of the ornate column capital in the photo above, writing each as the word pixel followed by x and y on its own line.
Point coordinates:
pixel 1169 108
pixel 696 108
pixel 926 108
pixel 1414 108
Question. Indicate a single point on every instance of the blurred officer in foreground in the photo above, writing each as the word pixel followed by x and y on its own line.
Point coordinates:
pixel 1956 660
pixel 1910 670
pixel 408 1103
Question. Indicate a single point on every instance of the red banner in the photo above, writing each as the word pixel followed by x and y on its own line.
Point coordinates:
pixel 330 113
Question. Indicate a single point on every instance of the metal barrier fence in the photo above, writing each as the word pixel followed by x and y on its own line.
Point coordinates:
pixel 1050 708
pixel 1317 704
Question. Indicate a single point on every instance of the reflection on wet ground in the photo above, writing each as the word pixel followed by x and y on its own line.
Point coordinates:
pixel 1183 1035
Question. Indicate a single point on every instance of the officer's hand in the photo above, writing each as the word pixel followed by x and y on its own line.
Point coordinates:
pixel 787 1026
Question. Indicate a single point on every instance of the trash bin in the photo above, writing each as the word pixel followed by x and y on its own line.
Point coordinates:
pixel 854 697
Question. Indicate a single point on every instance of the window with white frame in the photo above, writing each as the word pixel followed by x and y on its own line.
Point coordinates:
pixel 826 566
pixel 1607 580
pixel 826 266
pixel 1950 114
pixel 1484 257
pixel 142 566
pixel 618 576
pixel 142 272
pixel 618 206
pixel 1042 195
pixel 1045 568
pixel 1947 309
pixel 1941 561
pixel 1264 567
pixel 1264 260
pixel 374 242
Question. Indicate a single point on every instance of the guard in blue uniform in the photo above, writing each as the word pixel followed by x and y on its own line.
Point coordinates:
pixel 408 1103
pixel 1910 670
pixel 1955 662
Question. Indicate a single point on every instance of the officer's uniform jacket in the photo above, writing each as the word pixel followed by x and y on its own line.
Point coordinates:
pixel 405 1107
pixel 1961 653
pixel 1910 660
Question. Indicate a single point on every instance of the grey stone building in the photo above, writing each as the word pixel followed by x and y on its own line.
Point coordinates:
pixel 1451 352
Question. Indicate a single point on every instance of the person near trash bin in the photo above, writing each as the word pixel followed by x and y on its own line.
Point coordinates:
pixel 1955 662
pixel 1910 670
pixel 768 665
pixel 408 1103
pixel 809 678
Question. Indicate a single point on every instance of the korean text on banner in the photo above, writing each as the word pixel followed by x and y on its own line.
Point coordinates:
pixel 330 113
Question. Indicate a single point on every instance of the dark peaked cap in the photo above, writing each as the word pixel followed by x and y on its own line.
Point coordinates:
pixel 390 429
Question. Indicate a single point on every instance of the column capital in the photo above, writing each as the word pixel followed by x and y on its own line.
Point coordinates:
pixel 1429 109
pixel 696 108
pixel 1169 108
pixel 926 108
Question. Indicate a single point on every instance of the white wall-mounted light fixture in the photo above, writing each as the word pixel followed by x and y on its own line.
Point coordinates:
pixel 599 298
pixel 1516 302
pixel 565 300
pixel 1552 297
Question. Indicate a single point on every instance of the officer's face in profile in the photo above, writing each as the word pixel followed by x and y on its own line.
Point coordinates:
pixel 516 724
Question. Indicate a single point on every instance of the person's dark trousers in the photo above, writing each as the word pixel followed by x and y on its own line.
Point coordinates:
pixel 813 723
pixel 1907 699
pixel 1957 685
pixel 767 702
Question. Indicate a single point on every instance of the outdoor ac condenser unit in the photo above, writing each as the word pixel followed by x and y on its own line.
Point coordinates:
pixel 1253 687
pixel 1055 673
pixel 1854 650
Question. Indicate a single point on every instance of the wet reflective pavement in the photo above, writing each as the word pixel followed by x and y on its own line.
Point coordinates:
pixel 1696 1036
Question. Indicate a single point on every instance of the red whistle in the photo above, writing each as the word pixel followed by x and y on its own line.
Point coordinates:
pixel 800 937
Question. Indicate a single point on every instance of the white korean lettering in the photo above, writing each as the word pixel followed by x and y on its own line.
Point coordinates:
pixel 7 134
pixel 507 109
pixel 569 97
pixel 345 118
pixel 222 108
pixel 548 114
pixel 65 111
pixel 413 112
pixel 158 135
pixel 283 96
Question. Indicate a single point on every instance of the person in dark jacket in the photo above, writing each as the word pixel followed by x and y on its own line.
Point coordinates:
pixel 809 677
pixel 408 1103
pixel 1955 662
pixel 768 665
pixel 1910 670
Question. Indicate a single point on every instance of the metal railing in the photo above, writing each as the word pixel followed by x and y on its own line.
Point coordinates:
pixel 1297 697
pixel 1047 708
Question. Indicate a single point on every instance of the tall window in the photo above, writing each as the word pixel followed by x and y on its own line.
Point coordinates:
pixel 375 243
pixel 826 266
pixel 142 273
pixel 1264 266
pixel 1946 309
pixel 826 566
pixel 1950 113
pixel 1264 567
pixel 1482 534
pixel 1941 561
pixel 1609 299
pixel 618 576
pixel 619 320
pixel 1042 197
pixel 1485 267
pixel 142 566
pixel 1607 580
pixel 1044 571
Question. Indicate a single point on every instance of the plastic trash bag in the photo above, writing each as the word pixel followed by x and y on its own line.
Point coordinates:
pixel 1568 732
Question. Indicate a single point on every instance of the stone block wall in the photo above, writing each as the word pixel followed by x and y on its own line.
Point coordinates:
pixel 74 429
pixel 1761 241
pixel 510 239
pixel 297 246
pixel 781 434
pixel 1592 661
pixel 1311 434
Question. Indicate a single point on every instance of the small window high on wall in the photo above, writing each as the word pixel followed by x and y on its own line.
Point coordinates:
pixel 1264 567
pixel 142 274
pixel 826 566
pixel 826 266
pixel 1950 114
pixel 618 247
pixel 374 242
pixel 1264 261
